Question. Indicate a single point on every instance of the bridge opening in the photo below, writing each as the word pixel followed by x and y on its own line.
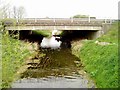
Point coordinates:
pixel 79 34
pixel 65 37
pixel 26 35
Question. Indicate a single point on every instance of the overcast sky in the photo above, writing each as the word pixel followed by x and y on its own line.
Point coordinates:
pixel 68 8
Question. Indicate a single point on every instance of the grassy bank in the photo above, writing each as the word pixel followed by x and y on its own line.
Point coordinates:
pixel 14 52
pixel 100 59
pixel 45 33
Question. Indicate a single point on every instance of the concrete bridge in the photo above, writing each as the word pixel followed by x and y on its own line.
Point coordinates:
pixel 57 23
pixel 83 24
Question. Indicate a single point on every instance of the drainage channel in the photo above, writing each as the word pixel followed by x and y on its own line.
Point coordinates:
pixel 54 69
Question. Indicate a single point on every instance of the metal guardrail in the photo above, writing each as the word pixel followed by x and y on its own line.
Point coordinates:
pixel 59 21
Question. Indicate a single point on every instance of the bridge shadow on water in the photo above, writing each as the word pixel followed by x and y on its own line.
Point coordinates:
pixel 52 63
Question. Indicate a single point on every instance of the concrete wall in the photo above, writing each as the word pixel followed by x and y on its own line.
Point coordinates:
pixel 105 27
pixel 90 34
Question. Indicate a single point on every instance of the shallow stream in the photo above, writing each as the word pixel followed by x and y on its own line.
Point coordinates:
pixel 54 68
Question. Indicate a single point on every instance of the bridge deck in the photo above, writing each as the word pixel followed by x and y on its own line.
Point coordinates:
pixel 59 23
pixel 56 22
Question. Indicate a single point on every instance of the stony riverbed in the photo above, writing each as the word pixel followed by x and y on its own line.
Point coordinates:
pixel 54 69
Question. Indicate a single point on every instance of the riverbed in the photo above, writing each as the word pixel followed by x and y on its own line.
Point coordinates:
pixel 54 69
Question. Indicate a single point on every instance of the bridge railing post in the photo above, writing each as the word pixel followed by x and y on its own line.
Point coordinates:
pixel 89 19
pixel 35 20
pixel 54 20
pixel 71 20
pixel 105 21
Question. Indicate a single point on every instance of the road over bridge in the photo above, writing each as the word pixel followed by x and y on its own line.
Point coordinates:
pixel 84 24
pixel 57 23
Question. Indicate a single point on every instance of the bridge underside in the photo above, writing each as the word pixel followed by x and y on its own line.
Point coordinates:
pixel 54 28
pixel 80 34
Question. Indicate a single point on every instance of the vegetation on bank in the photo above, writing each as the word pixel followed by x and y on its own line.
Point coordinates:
pixel 100 59
pixel 14 52
pixel 45 33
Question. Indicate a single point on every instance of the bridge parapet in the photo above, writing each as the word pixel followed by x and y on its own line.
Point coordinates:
pixel 57 22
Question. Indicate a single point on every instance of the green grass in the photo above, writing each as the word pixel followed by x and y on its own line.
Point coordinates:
pixel 14 53
pixel 45 33
pixel 0 59
pixel 112 35
pixel 101 61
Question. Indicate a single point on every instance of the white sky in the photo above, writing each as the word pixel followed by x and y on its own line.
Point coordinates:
pixel 68 8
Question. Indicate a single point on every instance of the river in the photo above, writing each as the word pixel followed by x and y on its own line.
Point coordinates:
pixel 54 68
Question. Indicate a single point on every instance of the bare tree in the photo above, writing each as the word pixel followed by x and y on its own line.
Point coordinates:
pixel 21 12
pixel 15 12
pixel 18 12
pixel 5 10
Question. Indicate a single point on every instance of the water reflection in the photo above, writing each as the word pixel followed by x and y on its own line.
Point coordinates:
pixel 52 42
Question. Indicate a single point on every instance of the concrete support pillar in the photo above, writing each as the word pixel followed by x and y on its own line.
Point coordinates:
pixel 98 34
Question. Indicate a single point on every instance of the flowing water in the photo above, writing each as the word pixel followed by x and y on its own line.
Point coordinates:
pixel 54 68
